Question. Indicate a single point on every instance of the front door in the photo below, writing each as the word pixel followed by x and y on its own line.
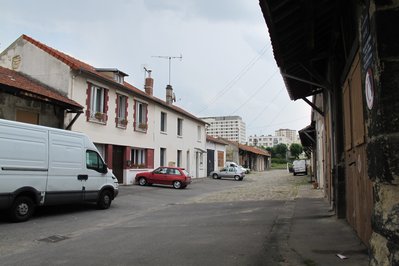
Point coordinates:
pixel 210 166
pixel 117 162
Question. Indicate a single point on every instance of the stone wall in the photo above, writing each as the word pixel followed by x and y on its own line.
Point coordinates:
pixel 49 115
pixel 383 135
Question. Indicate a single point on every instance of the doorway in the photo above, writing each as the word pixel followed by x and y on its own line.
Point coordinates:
pixel 210 166
pixel 117 162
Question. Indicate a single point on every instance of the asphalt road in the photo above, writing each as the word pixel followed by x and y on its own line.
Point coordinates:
pixel 151 226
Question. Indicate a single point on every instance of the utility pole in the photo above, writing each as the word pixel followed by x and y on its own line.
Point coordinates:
pixel 170 61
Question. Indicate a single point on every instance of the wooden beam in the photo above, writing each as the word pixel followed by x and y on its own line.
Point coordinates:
pixel 317 109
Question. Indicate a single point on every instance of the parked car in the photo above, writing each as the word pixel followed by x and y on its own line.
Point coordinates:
pixel 233 164
pixel 299 166
pixel 175 176
pixel 229 172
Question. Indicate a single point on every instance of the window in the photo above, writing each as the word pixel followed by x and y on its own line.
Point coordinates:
pixel 162 158
pixel 163 122
pixel 141 116
pixel 199 133
pixel 118 78
pixel 179 156
pixel 97 104
pixel 94 161
pixel 173 171
pixel 121 106
pixel 138 158
pixel 180 127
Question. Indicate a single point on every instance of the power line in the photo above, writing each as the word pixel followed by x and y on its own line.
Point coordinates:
pixel 282 123
pixel 256 92
pixel 231 83
pixel 266 106
pixel 276 116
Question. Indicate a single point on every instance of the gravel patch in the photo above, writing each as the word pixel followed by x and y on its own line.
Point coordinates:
pixel 269 185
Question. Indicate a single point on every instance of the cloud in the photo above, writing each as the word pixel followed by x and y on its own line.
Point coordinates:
pixel 219 41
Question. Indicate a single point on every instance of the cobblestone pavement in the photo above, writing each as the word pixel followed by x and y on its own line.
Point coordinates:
pixel 269 185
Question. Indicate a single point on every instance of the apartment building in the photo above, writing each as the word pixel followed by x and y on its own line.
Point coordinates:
pixel 228 127
pixel 132 129
pixel 268 141
pixel 282 136
pixel 288 133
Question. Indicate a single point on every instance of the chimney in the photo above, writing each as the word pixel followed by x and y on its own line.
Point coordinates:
pixel 149 84
pixel 169 94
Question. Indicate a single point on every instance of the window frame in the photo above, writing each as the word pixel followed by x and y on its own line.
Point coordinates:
pixel 121 110
pixel 138 157
pixel 162 157
pixel 141 116
pixel 199 133
pixel 97 103
pixel 163 123
pixel 179 157
pixel 180 127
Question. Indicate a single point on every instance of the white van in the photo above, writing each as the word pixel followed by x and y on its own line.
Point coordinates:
pixel 233 164
pixel 299 166
pixel 46 166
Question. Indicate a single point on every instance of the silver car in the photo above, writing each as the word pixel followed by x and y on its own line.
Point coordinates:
pixel 229 172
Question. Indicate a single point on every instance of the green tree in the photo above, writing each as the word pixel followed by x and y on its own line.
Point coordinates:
pixel 296 150
pixel 280 150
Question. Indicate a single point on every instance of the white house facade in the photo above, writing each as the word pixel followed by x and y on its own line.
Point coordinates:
pixel 133 130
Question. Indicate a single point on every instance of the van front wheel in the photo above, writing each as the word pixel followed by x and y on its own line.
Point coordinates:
pixel 105 199
pixel 22 209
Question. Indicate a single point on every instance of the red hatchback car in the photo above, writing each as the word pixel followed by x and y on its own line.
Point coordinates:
pixel 175 176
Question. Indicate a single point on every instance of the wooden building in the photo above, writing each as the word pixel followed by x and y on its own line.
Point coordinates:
pixel 345 55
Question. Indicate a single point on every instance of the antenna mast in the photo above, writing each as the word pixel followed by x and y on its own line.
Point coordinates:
pixel 170 61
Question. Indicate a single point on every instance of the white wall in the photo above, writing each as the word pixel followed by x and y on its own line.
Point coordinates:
pixel 217 147
pixel 188 143
pixel 38 64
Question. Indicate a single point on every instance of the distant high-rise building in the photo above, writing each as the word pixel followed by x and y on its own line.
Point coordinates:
pixel 288 133
pixel 284 136
pixel 228 127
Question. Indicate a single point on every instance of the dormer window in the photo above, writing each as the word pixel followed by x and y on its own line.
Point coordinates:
pixel 118 78
pixel 112 73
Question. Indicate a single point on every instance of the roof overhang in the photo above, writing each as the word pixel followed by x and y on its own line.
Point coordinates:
pixel 20 85
pixel 302 34
pixel 308 138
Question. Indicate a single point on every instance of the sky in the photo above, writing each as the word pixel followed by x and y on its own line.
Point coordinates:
pixel 227 65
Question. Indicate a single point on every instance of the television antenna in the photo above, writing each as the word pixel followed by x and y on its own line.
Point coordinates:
pixel 170 61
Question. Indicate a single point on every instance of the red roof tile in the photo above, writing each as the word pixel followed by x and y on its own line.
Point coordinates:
pixel 216 140
pixel 18 81
pixel 252 149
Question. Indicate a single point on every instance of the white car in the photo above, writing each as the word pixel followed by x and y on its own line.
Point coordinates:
pixel 229 172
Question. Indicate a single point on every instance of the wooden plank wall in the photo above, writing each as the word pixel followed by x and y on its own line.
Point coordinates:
pixel 359 191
